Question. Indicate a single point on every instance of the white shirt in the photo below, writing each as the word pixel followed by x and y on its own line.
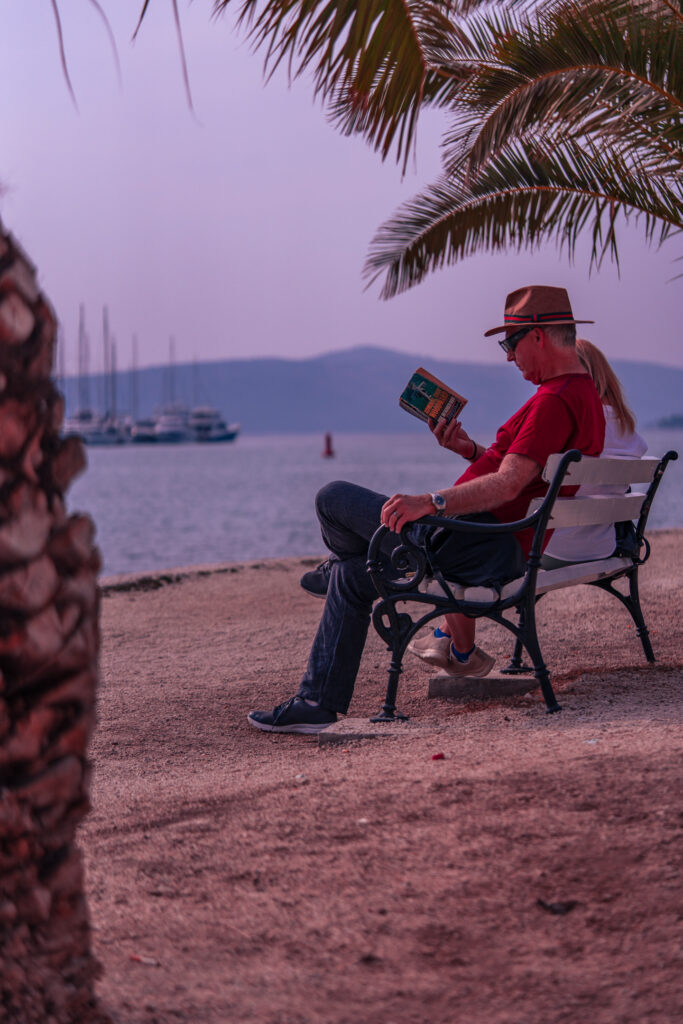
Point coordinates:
pixel 586 543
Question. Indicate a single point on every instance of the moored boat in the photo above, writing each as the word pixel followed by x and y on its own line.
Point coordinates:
pixel 144 432
pixel 206 424
pixel 94 429
pixel 172 425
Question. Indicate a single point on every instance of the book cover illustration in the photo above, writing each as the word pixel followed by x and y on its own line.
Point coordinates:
pixel 429 398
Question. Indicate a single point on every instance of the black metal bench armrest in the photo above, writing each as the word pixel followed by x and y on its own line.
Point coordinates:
pixel 409 557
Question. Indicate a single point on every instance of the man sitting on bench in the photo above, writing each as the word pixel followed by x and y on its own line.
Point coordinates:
pixel 565 412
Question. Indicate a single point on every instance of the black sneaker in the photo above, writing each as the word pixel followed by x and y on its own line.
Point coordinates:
pixel 294 715
pixel 317 580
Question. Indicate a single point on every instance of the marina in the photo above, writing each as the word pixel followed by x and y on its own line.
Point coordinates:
pixel 172 423
pixel 201 425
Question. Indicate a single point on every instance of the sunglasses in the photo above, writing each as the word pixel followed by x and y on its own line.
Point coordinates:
pixel 511 343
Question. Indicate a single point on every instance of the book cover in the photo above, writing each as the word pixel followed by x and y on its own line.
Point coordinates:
pixel 427 397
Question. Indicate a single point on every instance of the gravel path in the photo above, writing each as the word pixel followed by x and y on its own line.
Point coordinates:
pixel 529 876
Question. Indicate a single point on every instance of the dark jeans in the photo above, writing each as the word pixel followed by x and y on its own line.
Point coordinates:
pixel 349 515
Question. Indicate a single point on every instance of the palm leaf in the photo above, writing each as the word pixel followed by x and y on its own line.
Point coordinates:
pixel 522 199
pixel 368 54
pixel 565 116
pixel 597 69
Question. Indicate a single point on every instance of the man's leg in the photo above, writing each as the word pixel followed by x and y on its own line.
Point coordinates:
pixel 349 515
pixel 339 641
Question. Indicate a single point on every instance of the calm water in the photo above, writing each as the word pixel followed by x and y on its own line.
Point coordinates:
pixel 163 506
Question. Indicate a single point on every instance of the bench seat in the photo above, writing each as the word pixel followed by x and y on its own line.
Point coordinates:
pixel 546 580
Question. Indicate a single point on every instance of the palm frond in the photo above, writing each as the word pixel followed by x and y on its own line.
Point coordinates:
pixel 112 41
pixel 181 45
pixel 183 58
pixel 368 57
pixel 566 116
pixel 141 17
pixel 600 69
pixel 62 51
pixel 519 200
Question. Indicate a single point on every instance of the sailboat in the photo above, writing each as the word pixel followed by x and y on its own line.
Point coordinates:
pixel 93 427
pixel 172 419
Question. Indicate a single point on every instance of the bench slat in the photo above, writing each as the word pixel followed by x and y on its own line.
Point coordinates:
pixel 604 471
pixel 548 579
pixel 587 510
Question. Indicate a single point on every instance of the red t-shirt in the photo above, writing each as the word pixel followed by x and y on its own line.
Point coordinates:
pixel 566 412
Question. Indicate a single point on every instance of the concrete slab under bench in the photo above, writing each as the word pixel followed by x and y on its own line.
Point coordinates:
pixel 472 688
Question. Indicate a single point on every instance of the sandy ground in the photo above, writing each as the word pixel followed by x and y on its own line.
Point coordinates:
pixel 530 876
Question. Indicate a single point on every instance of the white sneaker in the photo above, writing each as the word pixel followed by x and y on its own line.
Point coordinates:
pixel 434 650
pixel 478 664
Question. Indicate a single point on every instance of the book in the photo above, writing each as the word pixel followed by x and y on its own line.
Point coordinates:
pixel 427 397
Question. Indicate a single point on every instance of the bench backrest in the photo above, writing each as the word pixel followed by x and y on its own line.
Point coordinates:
pixel 590 509
pixel 604 471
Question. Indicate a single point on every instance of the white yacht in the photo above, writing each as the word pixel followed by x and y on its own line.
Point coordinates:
pixel 172 425
pixel 94 429
pixel 144 432
pixel 206 424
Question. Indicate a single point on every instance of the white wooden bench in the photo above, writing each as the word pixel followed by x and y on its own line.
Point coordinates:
pixel 421 583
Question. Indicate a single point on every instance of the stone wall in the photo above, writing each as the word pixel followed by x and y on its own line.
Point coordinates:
pixel 48 673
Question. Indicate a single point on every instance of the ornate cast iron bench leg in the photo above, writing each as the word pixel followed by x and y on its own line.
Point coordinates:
pixel 389 712
pixel 530 640
pixel 632 602
pixel 516 666
pixel 400 626
pixel 637 616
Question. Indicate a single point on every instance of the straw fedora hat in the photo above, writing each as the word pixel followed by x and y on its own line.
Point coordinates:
pixel 534 306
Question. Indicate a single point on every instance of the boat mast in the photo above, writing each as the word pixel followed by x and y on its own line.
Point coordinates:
pixel 106 386
pixel 134 381
pixel 83 363
pixel 61 368
pixel 112 359
pixel 171 369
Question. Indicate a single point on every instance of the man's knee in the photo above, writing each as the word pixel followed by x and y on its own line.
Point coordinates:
pixel 330 498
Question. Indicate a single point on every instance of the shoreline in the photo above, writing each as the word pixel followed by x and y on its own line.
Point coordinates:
pixel 153 579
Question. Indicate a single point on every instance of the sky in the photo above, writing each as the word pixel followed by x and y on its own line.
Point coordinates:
pixel 240 230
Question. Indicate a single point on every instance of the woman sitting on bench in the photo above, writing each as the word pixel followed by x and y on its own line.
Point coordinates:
pixel 588 543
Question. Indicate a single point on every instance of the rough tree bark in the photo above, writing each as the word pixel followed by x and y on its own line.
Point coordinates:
pixel 48 673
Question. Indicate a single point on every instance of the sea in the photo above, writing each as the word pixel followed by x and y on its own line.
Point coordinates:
pixel 159 506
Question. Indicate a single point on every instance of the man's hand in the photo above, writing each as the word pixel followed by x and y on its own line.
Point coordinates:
pixel 452 436
pixel 402 509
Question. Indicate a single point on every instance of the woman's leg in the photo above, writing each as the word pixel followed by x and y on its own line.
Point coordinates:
pixel 462 631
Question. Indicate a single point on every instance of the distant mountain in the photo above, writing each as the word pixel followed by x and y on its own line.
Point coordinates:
pixel 356 391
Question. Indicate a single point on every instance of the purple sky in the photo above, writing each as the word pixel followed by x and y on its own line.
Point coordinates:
pixel 242 231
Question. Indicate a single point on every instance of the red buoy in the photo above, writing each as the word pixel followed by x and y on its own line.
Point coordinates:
pixel 328 451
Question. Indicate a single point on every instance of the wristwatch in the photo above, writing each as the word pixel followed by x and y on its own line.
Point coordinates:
pixel 439 502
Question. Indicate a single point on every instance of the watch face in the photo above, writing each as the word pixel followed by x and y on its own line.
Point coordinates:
pixel 439 502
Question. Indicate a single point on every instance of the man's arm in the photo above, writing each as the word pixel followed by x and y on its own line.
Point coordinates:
pixel 480 495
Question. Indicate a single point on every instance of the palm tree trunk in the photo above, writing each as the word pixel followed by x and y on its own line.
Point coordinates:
pixel 48 673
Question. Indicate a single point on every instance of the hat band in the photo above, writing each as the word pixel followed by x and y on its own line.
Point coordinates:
pixel 536 318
